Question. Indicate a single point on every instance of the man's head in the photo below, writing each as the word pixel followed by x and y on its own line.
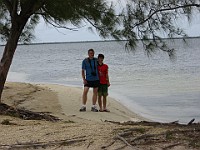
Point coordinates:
pixel 100 58
pixel 91 53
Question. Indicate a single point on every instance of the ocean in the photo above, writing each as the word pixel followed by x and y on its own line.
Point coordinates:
pixel 154 87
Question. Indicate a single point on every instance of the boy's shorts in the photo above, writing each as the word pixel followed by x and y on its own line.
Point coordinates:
pixel 103 90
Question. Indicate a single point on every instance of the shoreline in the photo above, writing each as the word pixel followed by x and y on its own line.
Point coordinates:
pixel 63 42
pixel 65 101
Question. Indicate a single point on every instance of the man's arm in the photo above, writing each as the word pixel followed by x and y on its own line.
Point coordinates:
pixel 83 76
pixel 83 72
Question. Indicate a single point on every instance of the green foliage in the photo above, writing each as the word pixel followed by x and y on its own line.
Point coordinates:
pixel 139 19
pixel 5 23
pixel 148 20
pixel 141 130
pixel 27 34
pixel 169 135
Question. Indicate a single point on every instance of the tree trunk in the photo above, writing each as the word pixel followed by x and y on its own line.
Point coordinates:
pixel 9 50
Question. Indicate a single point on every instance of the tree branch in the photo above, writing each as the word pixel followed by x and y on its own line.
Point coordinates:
pixel 56 25
pixel 97 27
pixel 36 7
pixel 166 9
pixel 14 9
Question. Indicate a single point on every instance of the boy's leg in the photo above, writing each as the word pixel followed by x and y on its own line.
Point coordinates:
pixel 100 103
pixel 105 94
pixel 104 102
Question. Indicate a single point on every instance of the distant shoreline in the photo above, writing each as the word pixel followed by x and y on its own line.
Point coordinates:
pixel 38 43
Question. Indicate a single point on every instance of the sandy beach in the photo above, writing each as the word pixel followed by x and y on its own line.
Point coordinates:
pixel 63 102
pixel 76 130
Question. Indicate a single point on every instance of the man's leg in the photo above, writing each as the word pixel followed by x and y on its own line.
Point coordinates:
pixel 94 97
pixel 84 96
pixel 84 99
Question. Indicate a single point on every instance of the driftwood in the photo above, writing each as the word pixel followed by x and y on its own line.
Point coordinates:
pixel 36 145
pixel 108 145
pixel 148 123
pixel 137 134
pixel 25 114
pixel 124 140
pixel 191 121
pixel 171 146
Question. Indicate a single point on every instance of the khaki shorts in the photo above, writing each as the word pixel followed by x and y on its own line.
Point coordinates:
pixel 103 90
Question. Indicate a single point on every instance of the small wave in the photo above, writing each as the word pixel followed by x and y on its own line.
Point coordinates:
pixel 17 77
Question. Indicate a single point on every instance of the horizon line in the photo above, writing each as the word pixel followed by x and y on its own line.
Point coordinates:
pixel 37 43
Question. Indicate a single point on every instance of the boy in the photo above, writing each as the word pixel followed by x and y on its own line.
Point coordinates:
pixel 104 83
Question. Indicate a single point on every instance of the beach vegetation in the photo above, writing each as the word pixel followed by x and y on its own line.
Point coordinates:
pixel 6 122
pixel 119 20
pixel 25 114
pixel 69 121
pixel 165 135
pixel 194 143
pixel 169 135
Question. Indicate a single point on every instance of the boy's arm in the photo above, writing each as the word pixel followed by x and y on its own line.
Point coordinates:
pixel 107 78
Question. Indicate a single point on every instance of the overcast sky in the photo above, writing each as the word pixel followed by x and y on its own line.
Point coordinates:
pixel 46 33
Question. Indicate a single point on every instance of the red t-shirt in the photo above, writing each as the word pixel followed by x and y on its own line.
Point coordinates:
pixel 103 71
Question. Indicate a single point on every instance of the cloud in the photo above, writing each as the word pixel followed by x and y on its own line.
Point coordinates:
pixel 47 33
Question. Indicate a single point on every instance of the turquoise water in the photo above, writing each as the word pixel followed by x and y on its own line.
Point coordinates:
pixel 154 87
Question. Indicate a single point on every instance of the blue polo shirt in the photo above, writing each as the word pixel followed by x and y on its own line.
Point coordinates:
pixel 89 69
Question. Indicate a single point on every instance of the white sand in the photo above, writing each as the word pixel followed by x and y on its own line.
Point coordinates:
pixel 65 103
pixel 70 101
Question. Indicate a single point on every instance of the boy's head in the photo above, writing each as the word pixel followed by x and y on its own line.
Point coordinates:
pixel 100 58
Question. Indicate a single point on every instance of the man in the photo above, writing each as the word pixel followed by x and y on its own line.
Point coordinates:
pixel 90 79
pixel 104 83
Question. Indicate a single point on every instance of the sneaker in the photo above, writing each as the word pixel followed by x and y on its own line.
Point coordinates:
pixel 94 109
pixel 106 110
pixel 82 109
